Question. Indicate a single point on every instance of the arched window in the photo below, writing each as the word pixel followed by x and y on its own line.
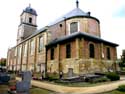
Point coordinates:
pixel 68 51
pixel 41 43
pixel 91 51
pixel 30 20
pixel 73 27
pixel 52 54
pixel 108 53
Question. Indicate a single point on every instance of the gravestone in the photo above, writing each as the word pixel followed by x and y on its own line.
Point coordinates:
pixel 23 86
pixel 27 76
pixel 70 72
pixel 4 78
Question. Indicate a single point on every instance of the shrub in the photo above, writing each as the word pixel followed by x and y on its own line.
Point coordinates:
pixel 102 79
pixel 113 76
pixel 121 88
pixel 52 77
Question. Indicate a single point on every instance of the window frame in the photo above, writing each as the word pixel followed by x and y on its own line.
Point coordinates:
pixel 91 50
pixel 32 47
pixel 77 27
pixel 108 53
pixel 41 48
pixel 52 54
pixel 30 20
pixel 68 50
pixel 25 50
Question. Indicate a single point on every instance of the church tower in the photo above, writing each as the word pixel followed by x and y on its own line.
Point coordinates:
pixel 27 25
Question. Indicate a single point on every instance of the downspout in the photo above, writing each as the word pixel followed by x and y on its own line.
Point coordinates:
pixel 46 76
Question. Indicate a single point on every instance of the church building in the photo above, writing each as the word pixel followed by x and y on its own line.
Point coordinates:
pixel 71 45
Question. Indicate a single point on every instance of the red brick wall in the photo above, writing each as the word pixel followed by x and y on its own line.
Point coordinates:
pixel 73 49
pixel 48 54
pixel 56 30
pixel 85 50
pixel 62 52
pixel 93 27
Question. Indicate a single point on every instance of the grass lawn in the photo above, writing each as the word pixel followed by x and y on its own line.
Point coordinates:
pixel 33 90
pixel 3 89
pixel 114 92
pixel 36 90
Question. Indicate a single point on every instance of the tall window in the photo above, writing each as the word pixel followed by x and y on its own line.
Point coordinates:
pixel 52 53
pixel 25 49
pixel 108 53
pixel 68 51
pixel 30 20
pixel 32 47
pixel 91 51
pixel 15 54
pixel 41 43
pixel 19 54
pixel 73 27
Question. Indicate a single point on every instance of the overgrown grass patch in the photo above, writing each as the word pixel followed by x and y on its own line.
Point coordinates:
pixel 121 88
pixel 114 92
pixel 79 84
pixel 36 90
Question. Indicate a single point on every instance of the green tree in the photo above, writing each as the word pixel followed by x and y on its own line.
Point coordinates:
pixel 3 62
pixel 122 63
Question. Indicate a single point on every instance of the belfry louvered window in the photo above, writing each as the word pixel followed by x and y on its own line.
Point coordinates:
pixel 30 20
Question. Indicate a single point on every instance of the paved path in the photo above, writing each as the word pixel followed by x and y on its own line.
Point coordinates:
pixel 78 90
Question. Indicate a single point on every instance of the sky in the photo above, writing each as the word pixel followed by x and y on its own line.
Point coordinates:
pixel 111 14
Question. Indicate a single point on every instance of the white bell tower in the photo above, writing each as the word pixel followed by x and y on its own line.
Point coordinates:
pixel 27 25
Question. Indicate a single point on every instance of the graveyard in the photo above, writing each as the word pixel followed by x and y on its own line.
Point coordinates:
pixel 9 85
pixel 23 85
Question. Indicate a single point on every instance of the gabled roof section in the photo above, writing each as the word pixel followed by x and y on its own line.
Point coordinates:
pixel 80 35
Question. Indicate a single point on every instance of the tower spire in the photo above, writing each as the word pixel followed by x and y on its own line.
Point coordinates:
pixel 29 5
pixel 77 4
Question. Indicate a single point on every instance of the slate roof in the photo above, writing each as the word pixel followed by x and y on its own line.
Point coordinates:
pixel 30 10
pixel 77 12
pixel 80 35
